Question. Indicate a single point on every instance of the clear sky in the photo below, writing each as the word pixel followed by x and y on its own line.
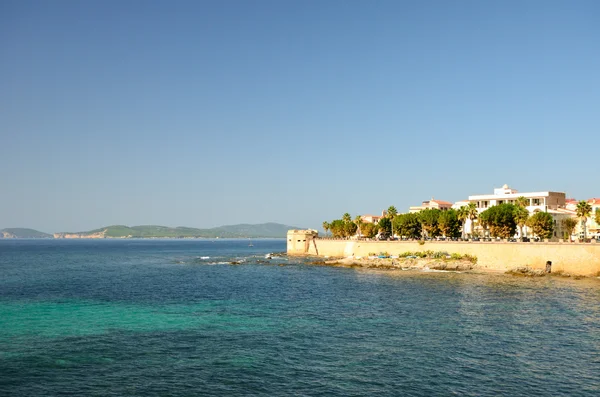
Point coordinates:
pixel 205 113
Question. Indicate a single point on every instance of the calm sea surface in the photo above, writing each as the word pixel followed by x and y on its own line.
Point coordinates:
pixel 158 318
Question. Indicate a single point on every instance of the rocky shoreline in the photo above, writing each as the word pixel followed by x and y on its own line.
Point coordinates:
pixel 401 264
pixel 427 264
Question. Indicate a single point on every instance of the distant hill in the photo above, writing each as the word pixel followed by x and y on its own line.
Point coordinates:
pixel 260 230
pixel 17 232
pixel 265 230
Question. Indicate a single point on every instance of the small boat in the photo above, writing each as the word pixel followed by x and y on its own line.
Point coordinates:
pixel 250 245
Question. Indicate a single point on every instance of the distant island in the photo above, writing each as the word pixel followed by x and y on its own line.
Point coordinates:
pixel 263 230
pixel 19 232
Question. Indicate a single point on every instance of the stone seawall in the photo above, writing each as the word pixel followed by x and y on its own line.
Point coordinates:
pixel 571 258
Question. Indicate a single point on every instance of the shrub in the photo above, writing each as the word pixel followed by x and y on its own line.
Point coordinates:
pixel 421 242
pixel 439 254
pixel 470 258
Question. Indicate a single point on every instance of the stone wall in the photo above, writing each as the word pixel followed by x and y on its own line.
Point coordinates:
pixel 572 258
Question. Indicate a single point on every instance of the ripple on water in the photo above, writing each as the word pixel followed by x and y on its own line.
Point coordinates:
pixel 104 318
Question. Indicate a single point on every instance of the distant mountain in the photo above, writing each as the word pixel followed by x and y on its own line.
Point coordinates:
pixel 17 232
pixel 260 230
pixel 266 230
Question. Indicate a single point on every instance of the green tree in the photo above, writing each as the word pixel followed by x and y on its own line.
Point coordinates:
pixel 462 215
pixel 358 222
pixel 391 213
pixel 349 229
pixel 429 221
pixel 521 215
pixel 326 227
pixel 484 221
pixel 541 224
pixel 569 224
pixel 408 225
pixel 501 220
pixel 448 223
pixel 597 216
pixel 472 215
pixel 584 209
pixel 346 217
pixel 369 230
pixel 521 202
pixel 337 228
pixel 385 227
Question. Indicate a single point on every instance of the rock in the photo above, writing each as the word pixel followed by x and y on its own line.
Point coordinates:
pixel 526 271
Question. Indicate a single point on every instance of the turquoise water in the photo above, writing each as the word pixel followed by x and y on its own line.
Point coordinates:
pixel 156 318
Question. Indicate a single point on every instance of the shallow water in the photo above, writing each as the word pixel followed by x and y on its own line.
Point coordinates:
pixel 156 317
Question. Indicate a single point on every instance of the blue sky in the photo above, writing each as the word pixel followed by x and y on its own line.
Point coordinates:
pixel 205 113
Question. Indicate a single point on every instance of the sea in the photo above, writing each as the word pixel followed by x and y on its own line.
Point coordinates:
pixel 216 318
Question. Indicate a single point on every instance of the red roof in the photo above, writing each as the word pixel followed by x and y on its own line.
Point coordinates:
pixel 594 201
pixel 441 202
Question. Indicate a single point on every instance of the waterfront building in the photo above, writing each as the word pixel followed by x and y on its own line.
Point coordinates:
pixel 553 203
pixel 431 204
pixel 542 201
pixel 593 228
pixel 373 218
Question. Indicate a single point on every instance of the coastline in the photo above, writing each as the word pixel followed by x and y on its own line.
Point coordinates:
pixel 438 265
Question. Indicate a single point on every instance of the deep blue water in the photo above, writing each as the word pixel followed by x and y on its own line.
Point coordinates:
pixel 152 318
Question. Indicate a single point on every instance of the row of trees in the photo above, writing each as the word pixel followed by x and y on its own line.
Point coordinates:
pixel 500 221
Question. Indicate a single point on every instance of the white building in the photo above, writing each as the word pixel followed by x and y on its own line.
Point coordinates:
pixel 542 201
pixel 551 202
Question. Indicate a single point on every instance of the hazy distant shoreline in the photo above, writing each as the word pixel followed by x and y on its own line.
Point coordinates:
pixel 240 231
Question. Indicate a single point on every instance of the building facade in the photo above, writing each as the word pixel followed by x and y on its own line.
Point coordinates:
pixel 551 202
pixel 430 205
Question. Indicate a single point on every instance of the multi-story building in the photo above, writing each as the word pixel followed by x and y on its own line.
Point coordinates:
pixel 551 202
pixel 542 201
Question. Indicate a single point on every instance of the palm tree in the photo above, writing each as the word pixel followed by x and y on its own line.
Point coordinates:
pixel 472 214
pixel 358 221
pixel 521 202
pixel 391 213
pixel 462 217
pixel 346 217
pixel 326 226
pixel 521 215
pixel 584 209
